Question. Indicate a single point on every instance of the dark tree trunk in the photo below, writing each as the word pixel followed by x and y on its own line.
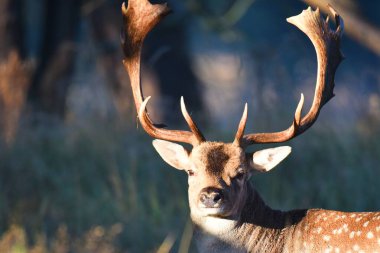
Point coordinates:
pixel 14 71
pixel 105 32
pixel 57 56
pixel 10 27
pixel 170 59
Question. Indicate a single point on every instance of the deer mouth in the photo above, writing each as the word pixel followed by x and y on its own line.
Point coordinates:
pixel 215 211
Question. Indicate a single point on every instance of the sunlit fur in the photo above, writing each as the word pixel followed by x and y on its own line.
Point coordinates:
pixel 242 216
pixel 244 223
pixel 217 165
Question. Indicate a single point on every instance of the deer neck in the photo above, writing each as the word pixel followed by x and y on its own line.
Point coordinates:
pixel 258 227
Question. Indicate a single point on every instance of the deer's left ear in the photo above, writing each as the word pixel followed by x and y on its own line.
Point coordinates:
pixel 267 159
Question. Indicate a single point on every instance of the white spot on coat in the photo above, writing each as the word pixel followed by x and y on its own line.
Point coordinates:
pixel 326 238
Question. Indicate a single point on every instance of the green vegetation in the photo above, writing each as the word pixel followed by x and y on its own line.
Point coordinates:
pixel 101 183
pixel 101 188
pixel 73 184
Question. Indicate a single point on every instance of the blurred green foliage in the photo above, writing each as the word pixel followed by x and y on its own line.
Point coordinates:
pixel 84 177
pixel 102 188
pixel 75 184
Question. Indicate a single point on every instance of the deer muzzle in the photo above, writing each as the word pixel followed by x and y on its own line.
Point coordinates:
pixel 211 198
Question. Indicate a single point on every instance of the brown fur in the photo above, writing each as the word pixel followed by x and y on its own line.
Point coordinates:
pixel 218 159
pixel 249 225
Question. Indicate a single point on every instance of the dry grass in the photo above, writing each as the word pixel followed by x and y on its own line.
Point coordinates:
pixel 96 240
pixel 100 189
pixel 14 84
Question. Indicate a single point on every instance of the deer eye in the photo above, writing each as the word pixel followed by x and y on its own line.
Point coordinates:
pixel 190 172
pixel 240 175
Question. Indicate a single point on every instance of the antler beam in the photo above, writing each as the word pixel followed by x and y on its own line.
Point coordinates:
pixel 140 17
pixel 327 46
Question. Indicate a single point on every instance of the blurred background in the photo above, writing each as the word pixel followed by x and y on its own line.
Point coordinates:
pixel 77 173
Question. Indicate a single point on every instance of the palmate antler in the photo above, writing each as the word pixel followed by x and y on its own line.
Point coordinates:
pixel 140 17
pixel 327 46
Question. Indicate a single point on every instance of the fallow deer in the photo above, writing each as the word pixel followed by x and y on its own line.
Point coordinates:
pixel 227 212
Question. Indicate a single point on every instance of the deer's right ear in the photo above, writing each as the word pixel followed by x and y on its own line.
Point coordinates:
pixel 172 153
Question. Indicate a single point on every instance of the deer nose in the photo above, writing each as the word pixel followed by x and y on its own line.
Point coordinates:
pixel 211 197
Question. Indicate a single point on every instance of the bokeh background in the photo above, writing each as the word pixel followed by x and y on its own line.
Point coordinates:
pixel 77 173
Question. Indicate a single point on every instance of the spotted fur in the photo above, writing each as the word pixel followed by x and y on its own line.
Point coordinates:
pixel 252 226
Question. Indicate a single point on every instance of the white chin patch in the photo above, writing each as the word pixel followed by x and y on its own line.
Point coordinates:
pixel 216 226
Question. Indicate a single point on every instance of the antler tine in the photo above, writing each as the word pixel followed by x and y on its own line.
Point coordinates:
pixel 327 46
pixel 241 128
pixel 197 133
pixel 140 17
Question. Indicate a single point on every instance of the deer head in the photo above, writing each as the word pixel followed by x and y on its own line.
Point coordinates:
pixel 218 172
